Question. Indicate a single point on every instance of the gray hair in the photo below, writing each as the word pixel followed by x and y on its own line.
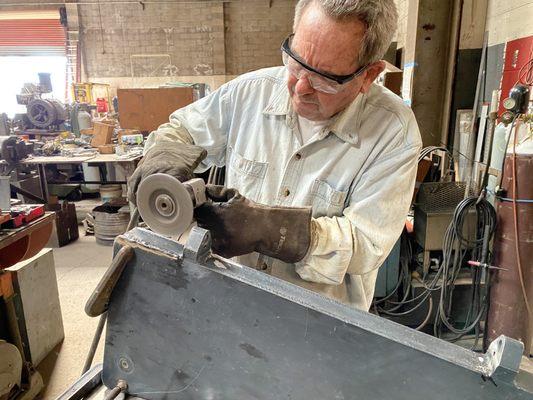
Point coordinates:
pixel 379 16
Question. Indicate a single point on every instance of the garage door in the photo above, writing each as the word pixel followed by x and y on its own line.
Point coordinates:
pixel 32 33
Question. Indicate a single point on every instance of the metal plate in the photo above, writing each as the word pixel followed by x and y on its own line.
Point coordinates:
pixel 164 204
pixel 180 330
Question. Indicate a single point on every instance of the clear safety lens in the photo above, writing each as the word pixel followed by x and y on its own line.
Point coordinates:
pixel 317 82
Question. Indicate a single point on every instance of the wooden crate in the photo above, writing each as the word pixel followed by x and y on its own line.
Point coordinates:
pixel 102 134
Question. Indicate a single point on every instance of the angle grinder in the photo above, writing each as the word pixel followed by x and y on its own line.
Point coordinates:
pixel 166 204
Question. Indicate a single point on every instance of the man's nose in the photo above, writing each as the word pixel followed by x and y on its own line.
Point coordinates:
pixel 303 86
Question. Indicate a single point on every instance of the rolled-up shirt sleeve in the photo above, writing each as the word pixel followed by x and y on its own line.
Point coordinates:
pixel 204 123
pixel 360 240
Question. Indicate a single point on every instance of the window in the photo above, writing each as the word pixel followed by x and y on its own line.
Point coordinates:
pixel 15 71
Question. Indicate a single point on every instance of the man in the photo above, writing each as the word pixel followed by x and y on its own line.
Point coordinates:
pixel 314 133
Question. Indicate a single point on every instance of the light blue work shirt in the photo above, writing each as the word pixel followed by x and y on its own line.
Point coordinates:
pixel 357 173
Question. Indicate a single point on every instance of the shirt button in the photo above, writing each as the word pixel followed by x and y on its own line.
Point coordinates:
pixel 286 192
pixel 298 156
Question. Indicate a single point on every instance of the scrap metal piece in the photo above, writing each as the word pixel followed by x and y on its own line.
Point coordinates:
pixel 198 246
pixel 178 328
pixel 165 204
pixel 84 386
pixel 504 355
pixel 99 300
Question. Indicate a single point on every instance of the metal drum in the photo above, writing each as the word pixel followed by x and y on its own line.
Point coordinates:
pixel 108 225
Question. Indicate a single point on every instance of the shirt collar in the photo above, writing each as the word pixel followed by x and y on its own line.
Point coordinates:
pixel 281 101
pixel 344 125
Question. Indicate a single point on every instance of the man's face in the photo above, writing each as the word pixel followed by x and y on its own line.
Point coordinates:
pixel 331 47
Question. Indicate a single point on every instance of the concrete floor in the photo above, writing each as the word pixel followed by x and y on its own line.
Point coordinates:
pixel 79 267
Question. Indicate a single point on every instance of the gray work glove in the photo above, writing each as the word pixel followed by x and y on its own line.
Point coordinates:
pixel 240 226
pixel 172 158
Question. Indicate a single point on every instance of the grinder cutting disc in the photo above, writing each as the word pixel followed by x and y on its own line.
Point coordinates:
pixel 165 204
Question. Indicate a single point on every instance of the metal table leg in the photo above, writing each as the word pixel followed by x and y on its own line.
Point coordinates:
pixel 43 182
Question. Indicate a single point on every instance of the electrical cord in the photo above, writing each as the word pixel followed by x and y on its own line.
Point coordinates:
pixel 404 281
pixel 430 149
pixel 428 315
pixel 456 247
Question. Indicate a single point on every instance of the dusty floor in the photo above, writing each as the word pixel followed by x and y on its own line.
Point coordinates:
pixel 79 267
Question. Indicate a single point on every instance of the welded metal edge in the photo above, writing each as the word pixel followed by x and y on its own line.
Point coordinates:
pixel 484 364
pixel 153 241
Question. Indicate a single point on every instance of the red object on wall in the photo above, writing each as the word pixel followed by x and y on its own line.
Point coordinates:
pixel 101 105
pixel 517 53
pixel 32 37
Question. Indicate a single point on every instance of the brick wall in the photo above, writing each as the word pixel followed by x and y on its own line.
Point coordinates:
pixel 508 20
pixel 254 32
pixel 159 40
pixel 188 39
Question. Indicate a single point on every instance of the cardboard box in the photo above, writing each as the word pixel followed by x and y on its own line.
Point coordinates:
pixel 106 149
pixel 103 133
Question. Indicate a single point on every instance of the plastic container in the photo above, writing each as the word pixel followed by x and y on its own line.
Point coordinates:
pixel 101 105
pixel 132 139
pixel 91 174
pixel 84 120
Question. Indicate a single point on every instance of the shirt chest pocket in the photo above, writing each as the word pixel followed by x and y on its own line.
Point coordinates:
pixel 325 200
pixel 247 176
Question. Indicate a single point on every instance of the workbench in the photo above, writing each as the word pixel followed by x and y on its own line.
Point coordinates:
pixel 25 241
pixel 9 236
pixel 127 164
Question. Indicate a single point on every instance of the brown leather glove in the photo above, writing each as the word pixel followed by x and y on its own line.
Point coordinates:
pixel 172 158
pixel 240 226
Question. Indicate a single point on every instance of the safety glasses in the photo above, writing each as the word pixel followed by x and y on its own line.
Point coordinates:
pixel 321 81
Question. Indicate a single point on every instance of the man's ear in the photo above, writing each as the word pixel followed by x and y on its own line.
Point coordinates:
pixel 371 73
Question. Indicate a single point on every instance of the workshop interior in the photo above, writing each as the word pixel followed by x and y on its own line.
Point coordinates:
pixel 112 281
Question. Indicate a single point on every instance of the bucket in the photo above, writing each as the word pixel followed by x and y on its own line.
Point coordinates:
pixel 110 192
pixel 109 222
